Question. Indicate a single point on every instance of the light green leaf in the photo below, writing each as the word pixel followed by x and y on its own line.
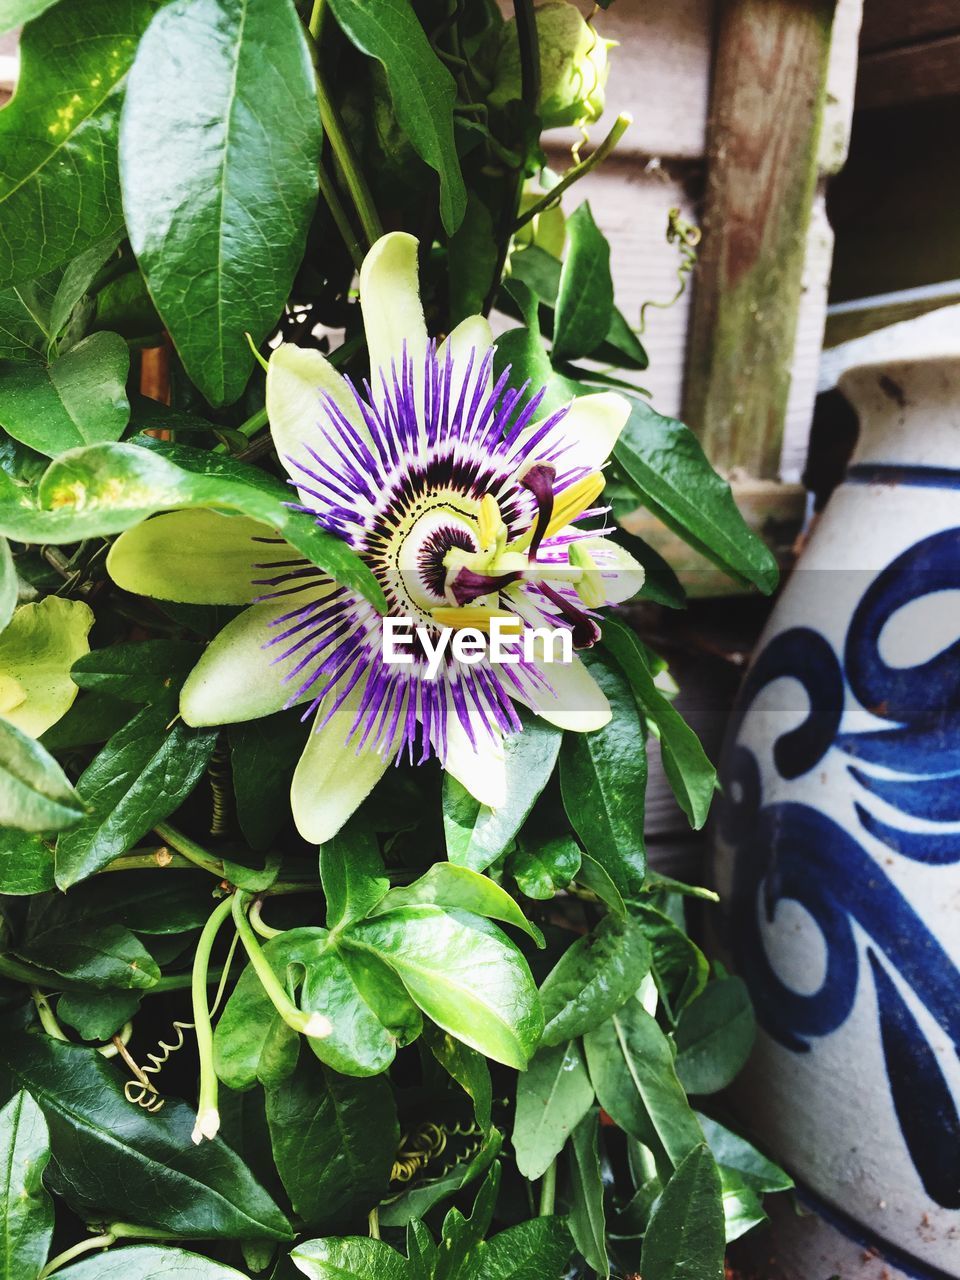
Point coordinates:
pixel 251 1041
pixel 14 13
pixel 35 794
pixel 476 835
pixel 8 583
pixel 585 295
pixel 352 874
pixel 593 979
pixel 603 777
pixel 422 89
pixel 691 775
pixel 59 191
pixel 542 868
pixel 351 1258
pixel 37 650
pixel 149 1262
pixel 534 1250
pixel 685 1238
pixel 553 1096
pixel 23 333
pixel 593 877
pixel 25 1207
pixel 587 1220
pixel 742 1210
pixel 714 1036
pixel 675 481
pixel 460 889
pixel 219 146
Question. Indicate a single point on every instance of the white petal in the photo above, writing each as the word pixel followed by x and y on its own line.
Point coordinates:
pixel 237 677
pixel 621 576
pixel 195 557
pixel 472 336
pixel 390 300
pixel 575 701
pixel 298 379
pixel 481 768
pixel 586 434
pixel 332 779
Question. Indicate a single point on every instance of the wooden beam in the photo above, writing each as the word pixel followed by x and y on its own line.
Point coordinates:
pixel 913 73
pixel 766 112
pixel 888 23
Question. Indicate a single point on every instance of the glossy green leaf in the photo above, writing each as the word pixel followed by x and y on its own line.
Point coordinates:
pixel 108 488
pixel 660 583
pixel 25 1207
pixel 733 1152
pixel 97 955
pixel 593 978
pixel 595 878
pixel 460 889
pixel 334 1143
pixel 467 1067
pixel 423 90
pixel 476 835
pixel 603 777
pixel 352 874
pixel 149 1262
pixel 553 1096
pixel 37 650
pixel 417 1201
pixel 675 481
pixel 742 1208
pixel 251 1042
pixel 542 868
pixel 110 1157
pixel 90 721
pixel 35 794
pixel 23 335
pixel 219 146
pixel 97 1015
pixel 77 400
pixel 692 777
pixel 472 258
pixel 74 281
pixel 534 1250
pixel 464 974
pixel 632 1069
pixel 685 1238
pixel 714 1036
pixel 263 756
pixel 14 13
pixel 462 1238
pixel 59 191
pixel 352 1258
pixel 8 583
pixel 139 777
pixel 680 967
pixel 585 294
pixel 586 1219
pixel 143 671
pixel 26 863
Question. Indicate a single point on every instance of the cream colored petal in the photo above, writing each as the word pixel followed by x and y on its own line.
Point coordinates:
pixel 587 432
pixel 298 381
pixel 472 337
pixel 390 300
pixel 195 557
pixel 620 575
pixel 332 778
pixel 574 701
pixel 481 769
pixel 238 678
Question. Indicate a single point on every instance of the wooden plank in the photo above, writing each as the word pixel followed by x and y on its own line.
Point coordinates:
pixel 887 23
pixel 912 74
pixel 769 89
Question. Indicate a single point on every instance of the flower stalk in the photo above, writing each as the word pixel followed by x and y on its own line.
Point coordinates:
pixel 314 1025
pixel 208 1114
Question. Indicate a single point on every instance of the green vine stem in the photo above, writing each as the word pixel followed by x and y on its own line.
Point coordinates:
pixel 548 1190
pixel 264 930
pixel 620 126
pixel 47 1018
pixel 189 849
pixel 314 1025
pixel 76 1251
pixel 208 1114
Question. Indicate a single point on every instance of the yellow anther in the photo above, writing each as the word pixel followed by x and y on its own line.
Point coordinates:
pixel 574 501
pixel 474 615
pixel 489 521
pixel 588 586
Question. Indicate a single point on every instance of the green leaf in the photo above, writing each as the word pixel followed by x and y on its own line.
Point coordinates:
pixel 35 794
pixel 522 350
pixel 603 777
pixel 110 1158
pixel 467 1067
pixel 97 955
pixel 462 1238
pixel 14 13
pixel 714 1037
pixel 733 1152
pixel 553 1096
pixel 418 1201
pixel 631 1066
pixel 352 874
pixel 111 487
pixel 680 967
pixel 587 1220
pixel 251 1041
pixel 37 651
pixel 219 145
pixel 26 863
pixel 74 281
pixel 142 774
pixel 692 777
pixel 59 134
pixel 593 979
pixel 263 756
pixel 542 868
pixel 475 835
pixel 742 1209
pixel 8 583
pixel 464 974
pixel 23 335
pixel 675 481
pixel 79 399
pixel 90 721
pixel 534 1250
pixel 25 1207
pixel 585 295
pixel 144 671
pixel 334 1143
pixel 593 877
pixel 472 261
pixel 97 1015
pixel 422 89
pixel 460 889
pixel 353 1258
pixel 149 1262
pixel 685 1238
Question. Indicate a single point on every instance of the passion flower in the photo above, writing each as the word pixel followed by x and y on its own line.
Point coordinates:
pixel 465 501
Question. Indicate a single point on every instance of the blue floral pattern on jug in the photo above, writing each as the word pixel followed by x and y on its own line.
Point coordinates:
pixel 790 850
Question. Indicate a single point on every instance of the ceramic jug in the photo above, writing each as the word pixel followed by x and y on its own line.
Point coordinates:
pixel 837 848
